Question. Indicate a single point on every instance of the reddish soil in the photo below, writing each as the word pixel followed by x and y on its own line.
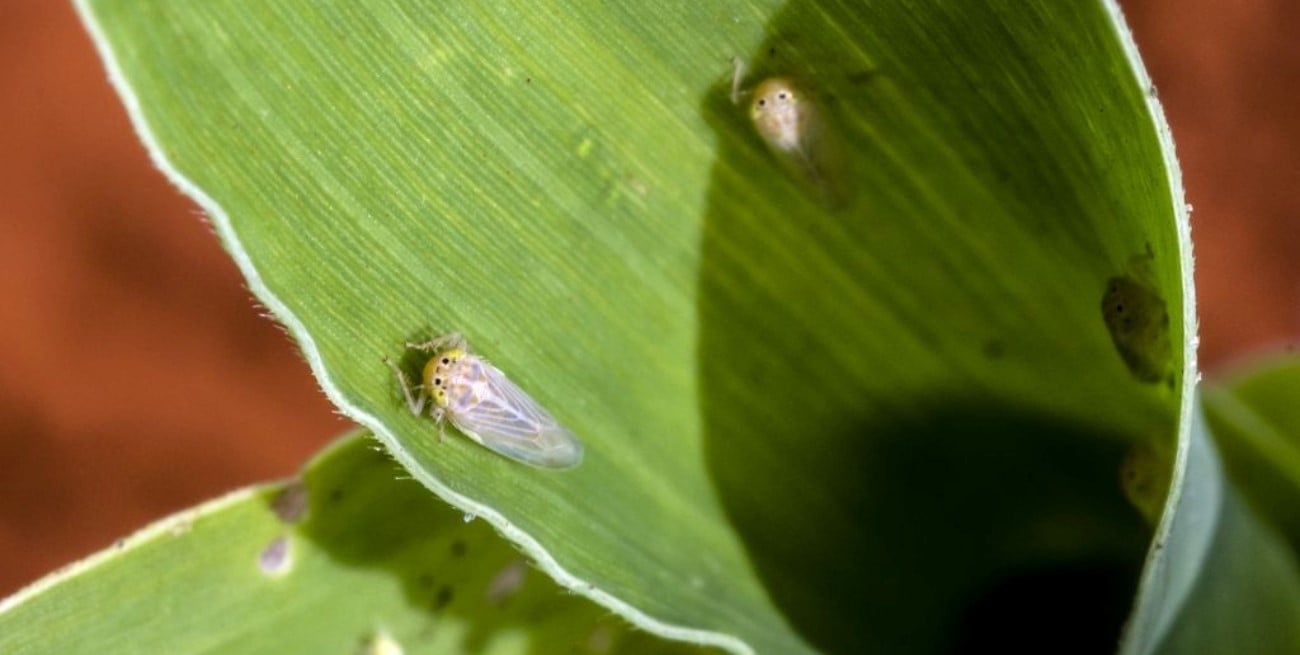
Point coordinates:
pixel 140 378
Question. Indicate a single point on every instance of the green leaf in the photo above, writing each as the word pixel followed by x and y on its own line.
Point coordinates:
pixel 809 386
pixel 344 559
pixel 1219 580
pixel 1256 421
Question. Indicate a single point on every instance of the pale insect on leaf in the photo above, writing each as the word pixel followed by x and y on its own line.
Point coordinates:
pixel 480 401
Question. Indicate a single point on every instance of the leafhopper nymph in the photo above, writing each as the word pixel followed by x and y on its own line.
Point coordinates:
pixel 790 121
pixel 483 403
pixel 786 117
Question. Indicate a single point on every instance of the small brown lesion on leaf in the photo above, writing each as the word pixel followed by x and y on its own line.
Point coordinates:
pixel 1137 318
pixel 1144 475
pixel 291 504
pixel 507 582
pixel 443 598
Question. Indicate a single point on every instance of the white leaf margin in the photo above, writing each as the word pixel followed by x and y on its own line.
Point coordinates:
pixel 1190 513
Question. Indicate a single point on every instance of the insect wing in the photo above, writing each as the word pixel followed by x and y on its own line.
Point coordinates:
pixel 508 421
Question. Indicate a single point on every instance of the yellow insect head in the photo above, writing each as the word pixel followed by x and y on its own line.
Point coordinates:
pixel 435 374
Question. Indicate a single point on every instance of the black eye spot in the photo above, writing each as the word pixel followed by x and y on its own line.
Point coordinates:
pixel 762 102
pixel 781 95
pixel 446 361
pixel 437 381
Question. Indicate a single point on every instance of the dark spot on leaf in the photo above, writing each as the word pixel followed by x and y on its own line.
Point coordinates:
pixel 443 598
pixel 290 505
pixel 458 548
pixel 1138 322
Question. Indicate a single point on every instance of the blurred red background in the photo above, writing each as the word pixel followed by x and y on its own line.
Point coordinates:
pixel 141 379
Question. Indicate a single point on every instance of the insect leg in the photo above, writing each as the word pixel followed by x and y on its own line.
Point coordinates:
pixel 439 414
pixel 449 340
pixel 737 76
pixel 415 402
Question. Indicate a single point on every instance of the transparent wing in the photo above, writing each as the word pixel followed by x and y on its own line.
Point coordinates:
pixel 508 421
